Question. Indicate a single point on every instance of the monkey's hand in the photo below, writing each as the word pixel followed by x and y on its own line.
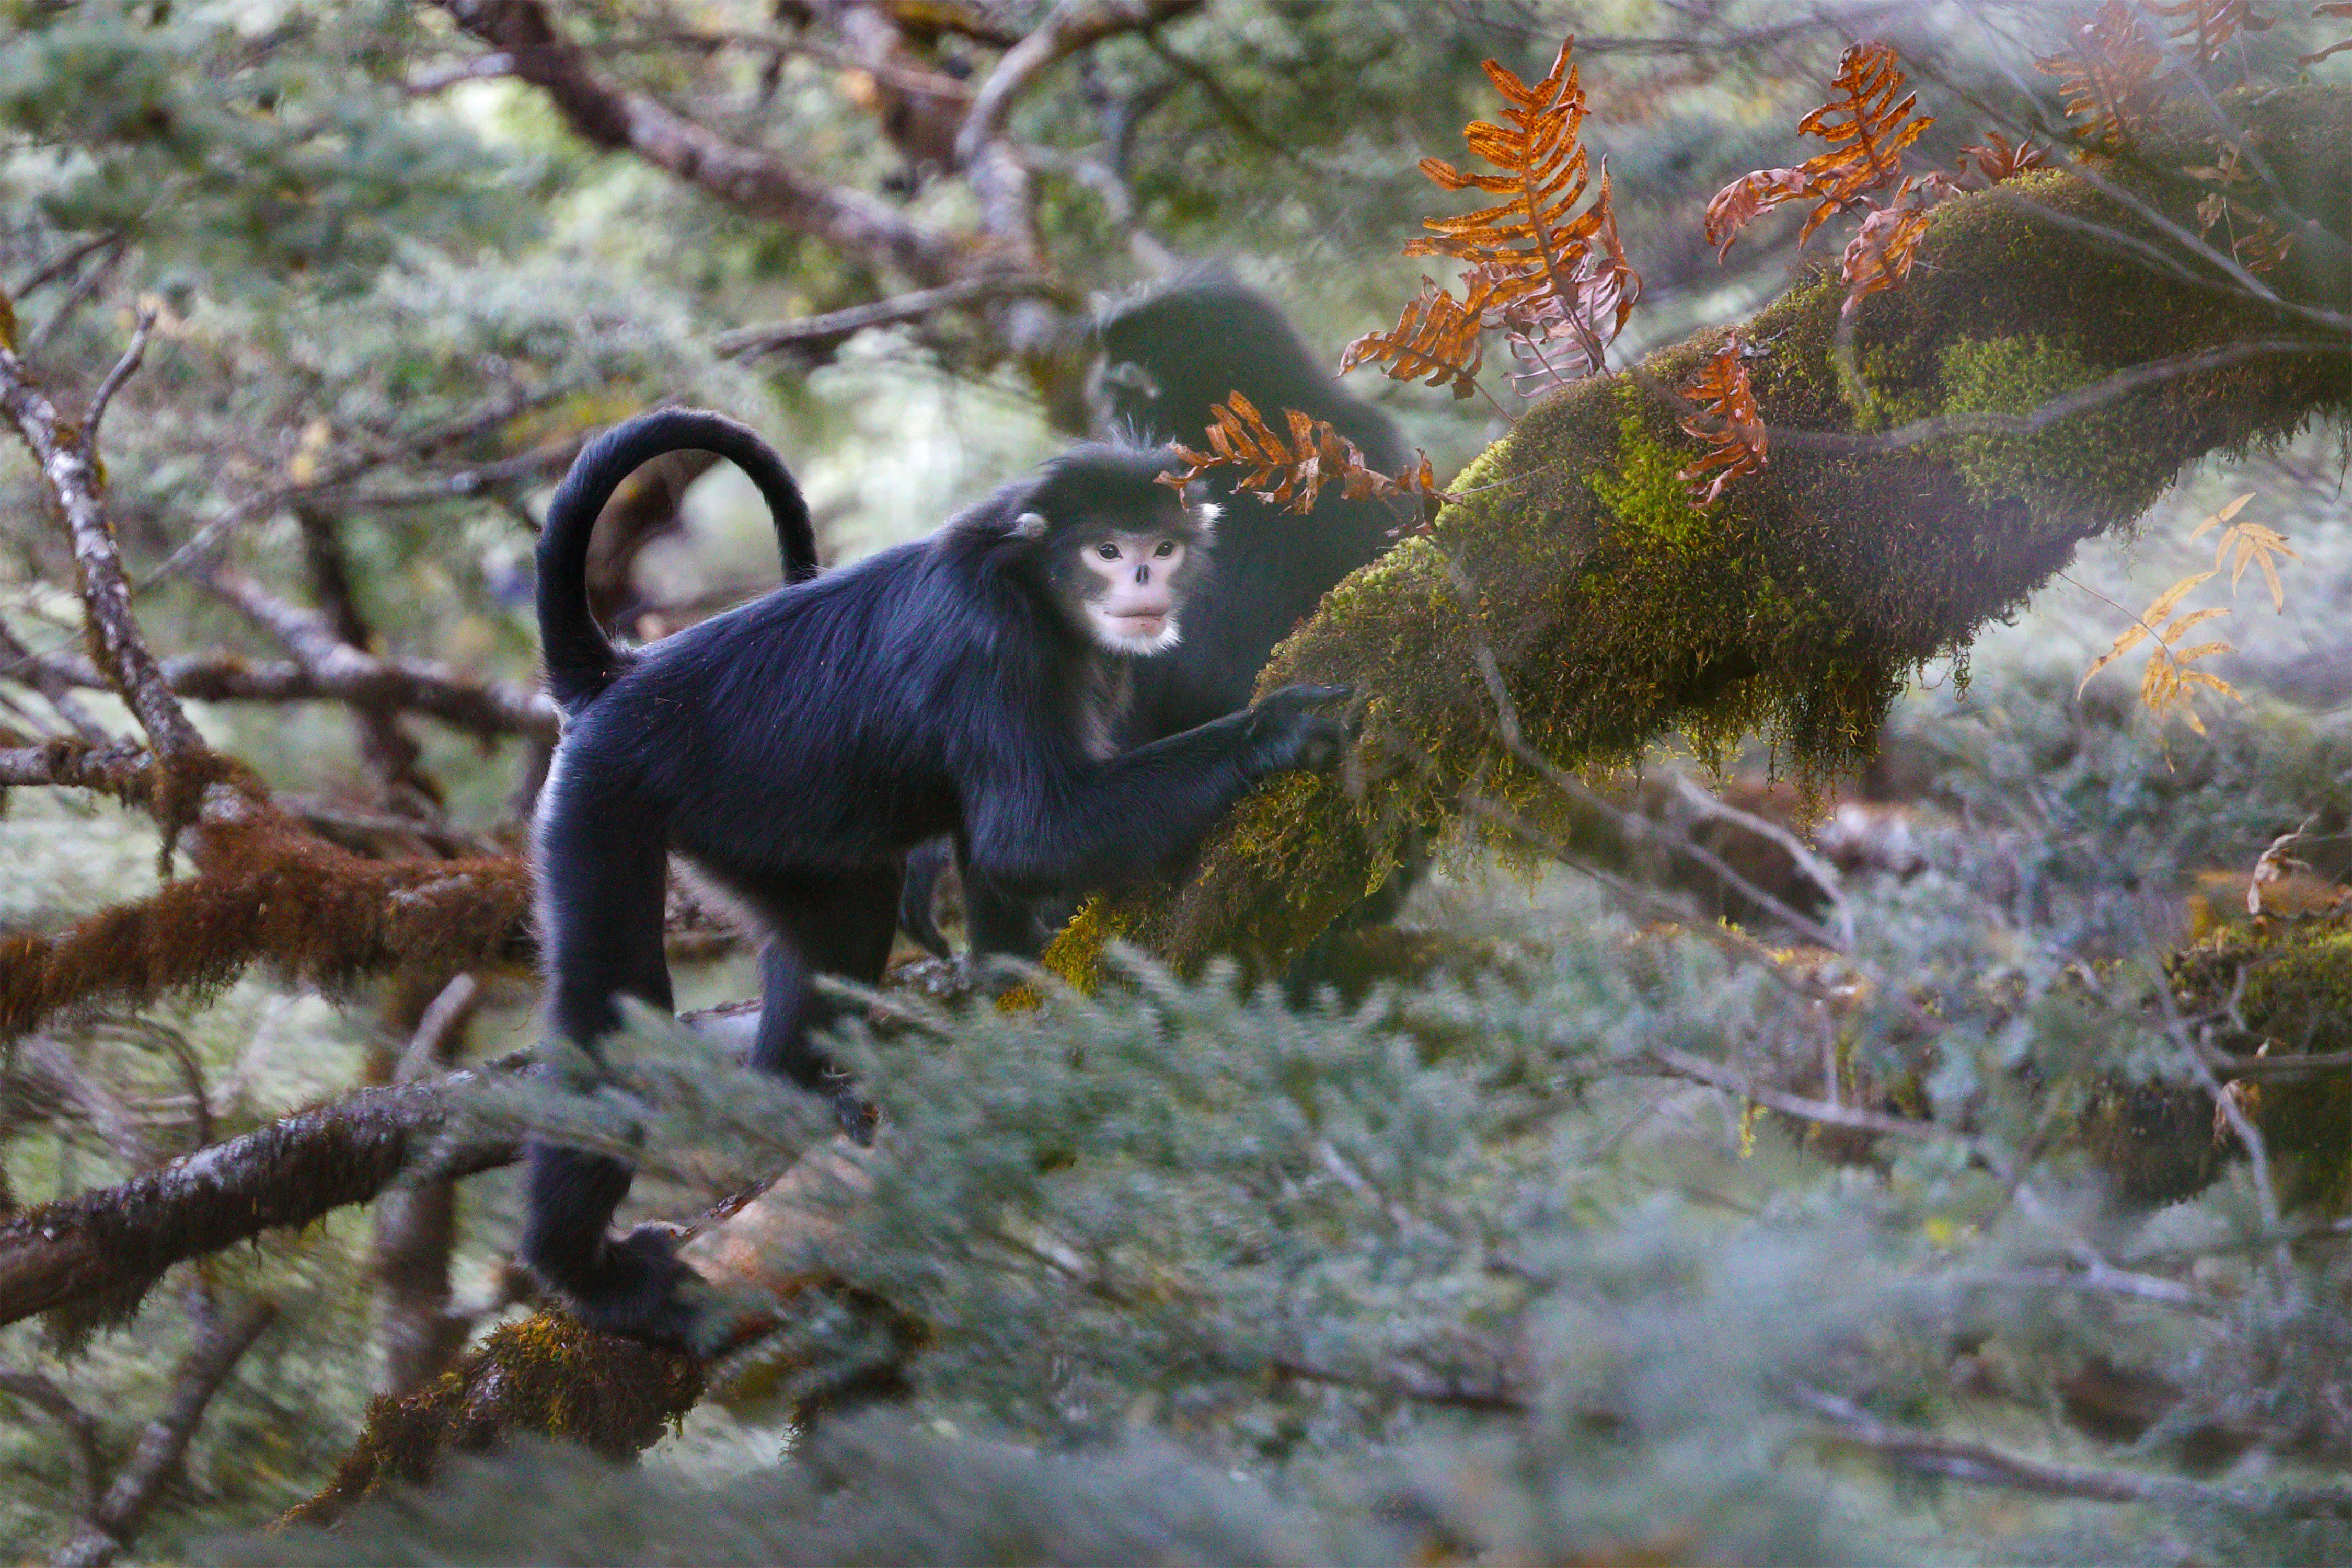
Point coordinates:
pixel 1292 732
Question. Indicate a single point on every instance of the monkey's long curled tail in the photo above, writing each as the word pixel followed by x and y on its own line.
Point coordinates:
pixel 581 660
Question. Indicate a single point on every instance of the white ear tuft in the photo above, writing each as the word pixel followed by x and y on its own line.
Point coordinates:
pixel 1029 525
pixel 1206 515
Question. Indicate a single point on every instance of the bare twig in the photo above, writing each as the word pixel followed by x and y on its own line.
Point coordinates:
pixel 108 1530
pixel 1682 1064
pixel 82 1453
pixel 1928 1452
pixel 831 326
pixel 124 369
pixel 17 661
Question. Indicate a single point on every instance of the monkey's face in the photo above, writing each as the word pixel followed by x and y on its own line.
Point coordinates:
pixel 1132 587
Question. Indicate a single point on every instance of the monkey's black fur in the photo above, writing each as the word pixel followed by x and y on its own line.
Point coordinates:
pixel 792 748
pixel 1167 357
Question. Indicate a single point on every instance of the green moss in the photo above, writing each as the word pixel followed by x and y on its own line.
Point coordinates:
pixel 2095 462
pixel 546 1376
pixel 1646 493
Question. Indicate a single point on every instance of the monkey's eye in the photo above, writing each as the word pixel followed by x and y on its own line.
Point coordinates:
pixel 1167 548
pixel 1106 550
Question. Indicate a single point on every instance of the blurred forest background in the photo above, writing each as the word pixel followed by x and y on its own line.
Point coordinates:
pixel 1928 1143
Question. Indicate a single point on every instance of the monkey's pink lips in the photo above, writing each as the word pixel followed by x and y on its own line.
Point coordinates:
pixel 1149 625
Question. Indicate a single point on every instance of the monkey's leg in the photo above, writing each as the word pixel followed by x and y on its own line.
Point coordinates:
pixel 918 901
pixel 837 923
pixel 601 880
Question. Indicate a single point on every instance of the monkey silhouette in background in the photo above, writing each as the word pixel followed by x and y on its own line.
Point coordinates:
pixel 1167 356
pixel 791 749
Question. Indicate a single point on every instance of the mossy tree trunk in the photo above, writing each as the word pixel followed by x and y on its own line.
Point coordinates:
pixel 1615 612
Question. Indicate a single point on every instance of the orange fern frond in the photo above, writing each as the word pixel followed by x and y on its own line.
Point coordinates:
pixel 1436 340
pixel 1729 424
pixel 1293 473
pixel 1542 263
pixel 2107 77
pixel 1882 251
pixel 1868 126
pixel 1997 160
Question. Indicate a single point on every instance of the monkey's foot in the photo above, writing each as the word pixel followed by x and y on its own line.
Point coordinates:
pixel 638 1288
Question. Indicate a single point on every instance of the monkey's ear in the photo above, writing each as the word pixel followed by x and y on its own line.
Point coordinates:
pixel 1029 525
pixel 1204 517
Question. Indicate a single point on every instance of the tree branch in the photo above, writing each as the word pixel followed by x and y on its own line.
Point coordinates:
pixel 1928 1452
pixel 115 1241
pixel 849 220
pixel 1071 26
pixel 823 332
pixel 486 709
pixel 68 463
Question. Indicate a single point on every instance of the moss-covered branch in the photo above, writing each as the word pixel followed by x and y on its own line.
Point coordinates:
pixel 1616 612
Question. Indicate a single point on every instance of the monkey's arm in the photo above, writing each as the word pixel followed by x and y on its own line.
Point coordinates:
pixel 1137 813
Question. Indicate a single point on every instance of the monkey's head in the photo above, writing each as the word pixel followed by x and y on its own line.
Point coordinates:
pixel 1170 354
pixel 1117 551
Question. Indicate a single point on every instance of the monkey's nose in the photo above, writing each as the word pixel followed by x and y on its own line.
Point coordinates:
pixel 1143 575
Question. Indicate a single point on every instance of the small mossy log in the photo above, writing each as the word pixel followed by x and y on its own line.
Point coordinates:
pixel 548 1377
pixel 545 1376
pixel 1799 606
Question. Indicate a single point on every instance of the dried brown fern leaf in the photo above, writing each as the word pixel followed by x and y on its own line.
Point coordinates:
pixel 2341 8
pixel 1292 473
pixel 1997 160
pixel 1436 341
pixel 2109 74
pixel 1868 126
pixel 1880 254
pixel 2203 29
pixel 1729 423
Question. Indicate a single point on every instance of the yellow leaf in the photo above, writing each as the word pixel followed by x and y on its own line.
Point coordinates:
pixel 2224 515
pixel 2167 601
pixel 2179 623
pixel 2125 641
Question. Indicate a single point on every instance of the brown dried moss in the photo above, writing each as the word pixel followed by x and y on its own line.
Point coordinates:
pixel 267 891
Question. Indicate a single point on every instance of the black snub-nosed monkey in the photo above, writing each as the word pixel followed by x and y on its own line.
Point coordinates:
pixel 1169 357
pixel 791 749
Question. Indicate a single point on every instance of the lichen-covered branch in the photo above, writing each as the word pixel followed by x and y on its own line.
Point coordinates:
pixel 854 222
pixel 114 1242
pixel 549 1377
pixel 1617 612
pixel 69 467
